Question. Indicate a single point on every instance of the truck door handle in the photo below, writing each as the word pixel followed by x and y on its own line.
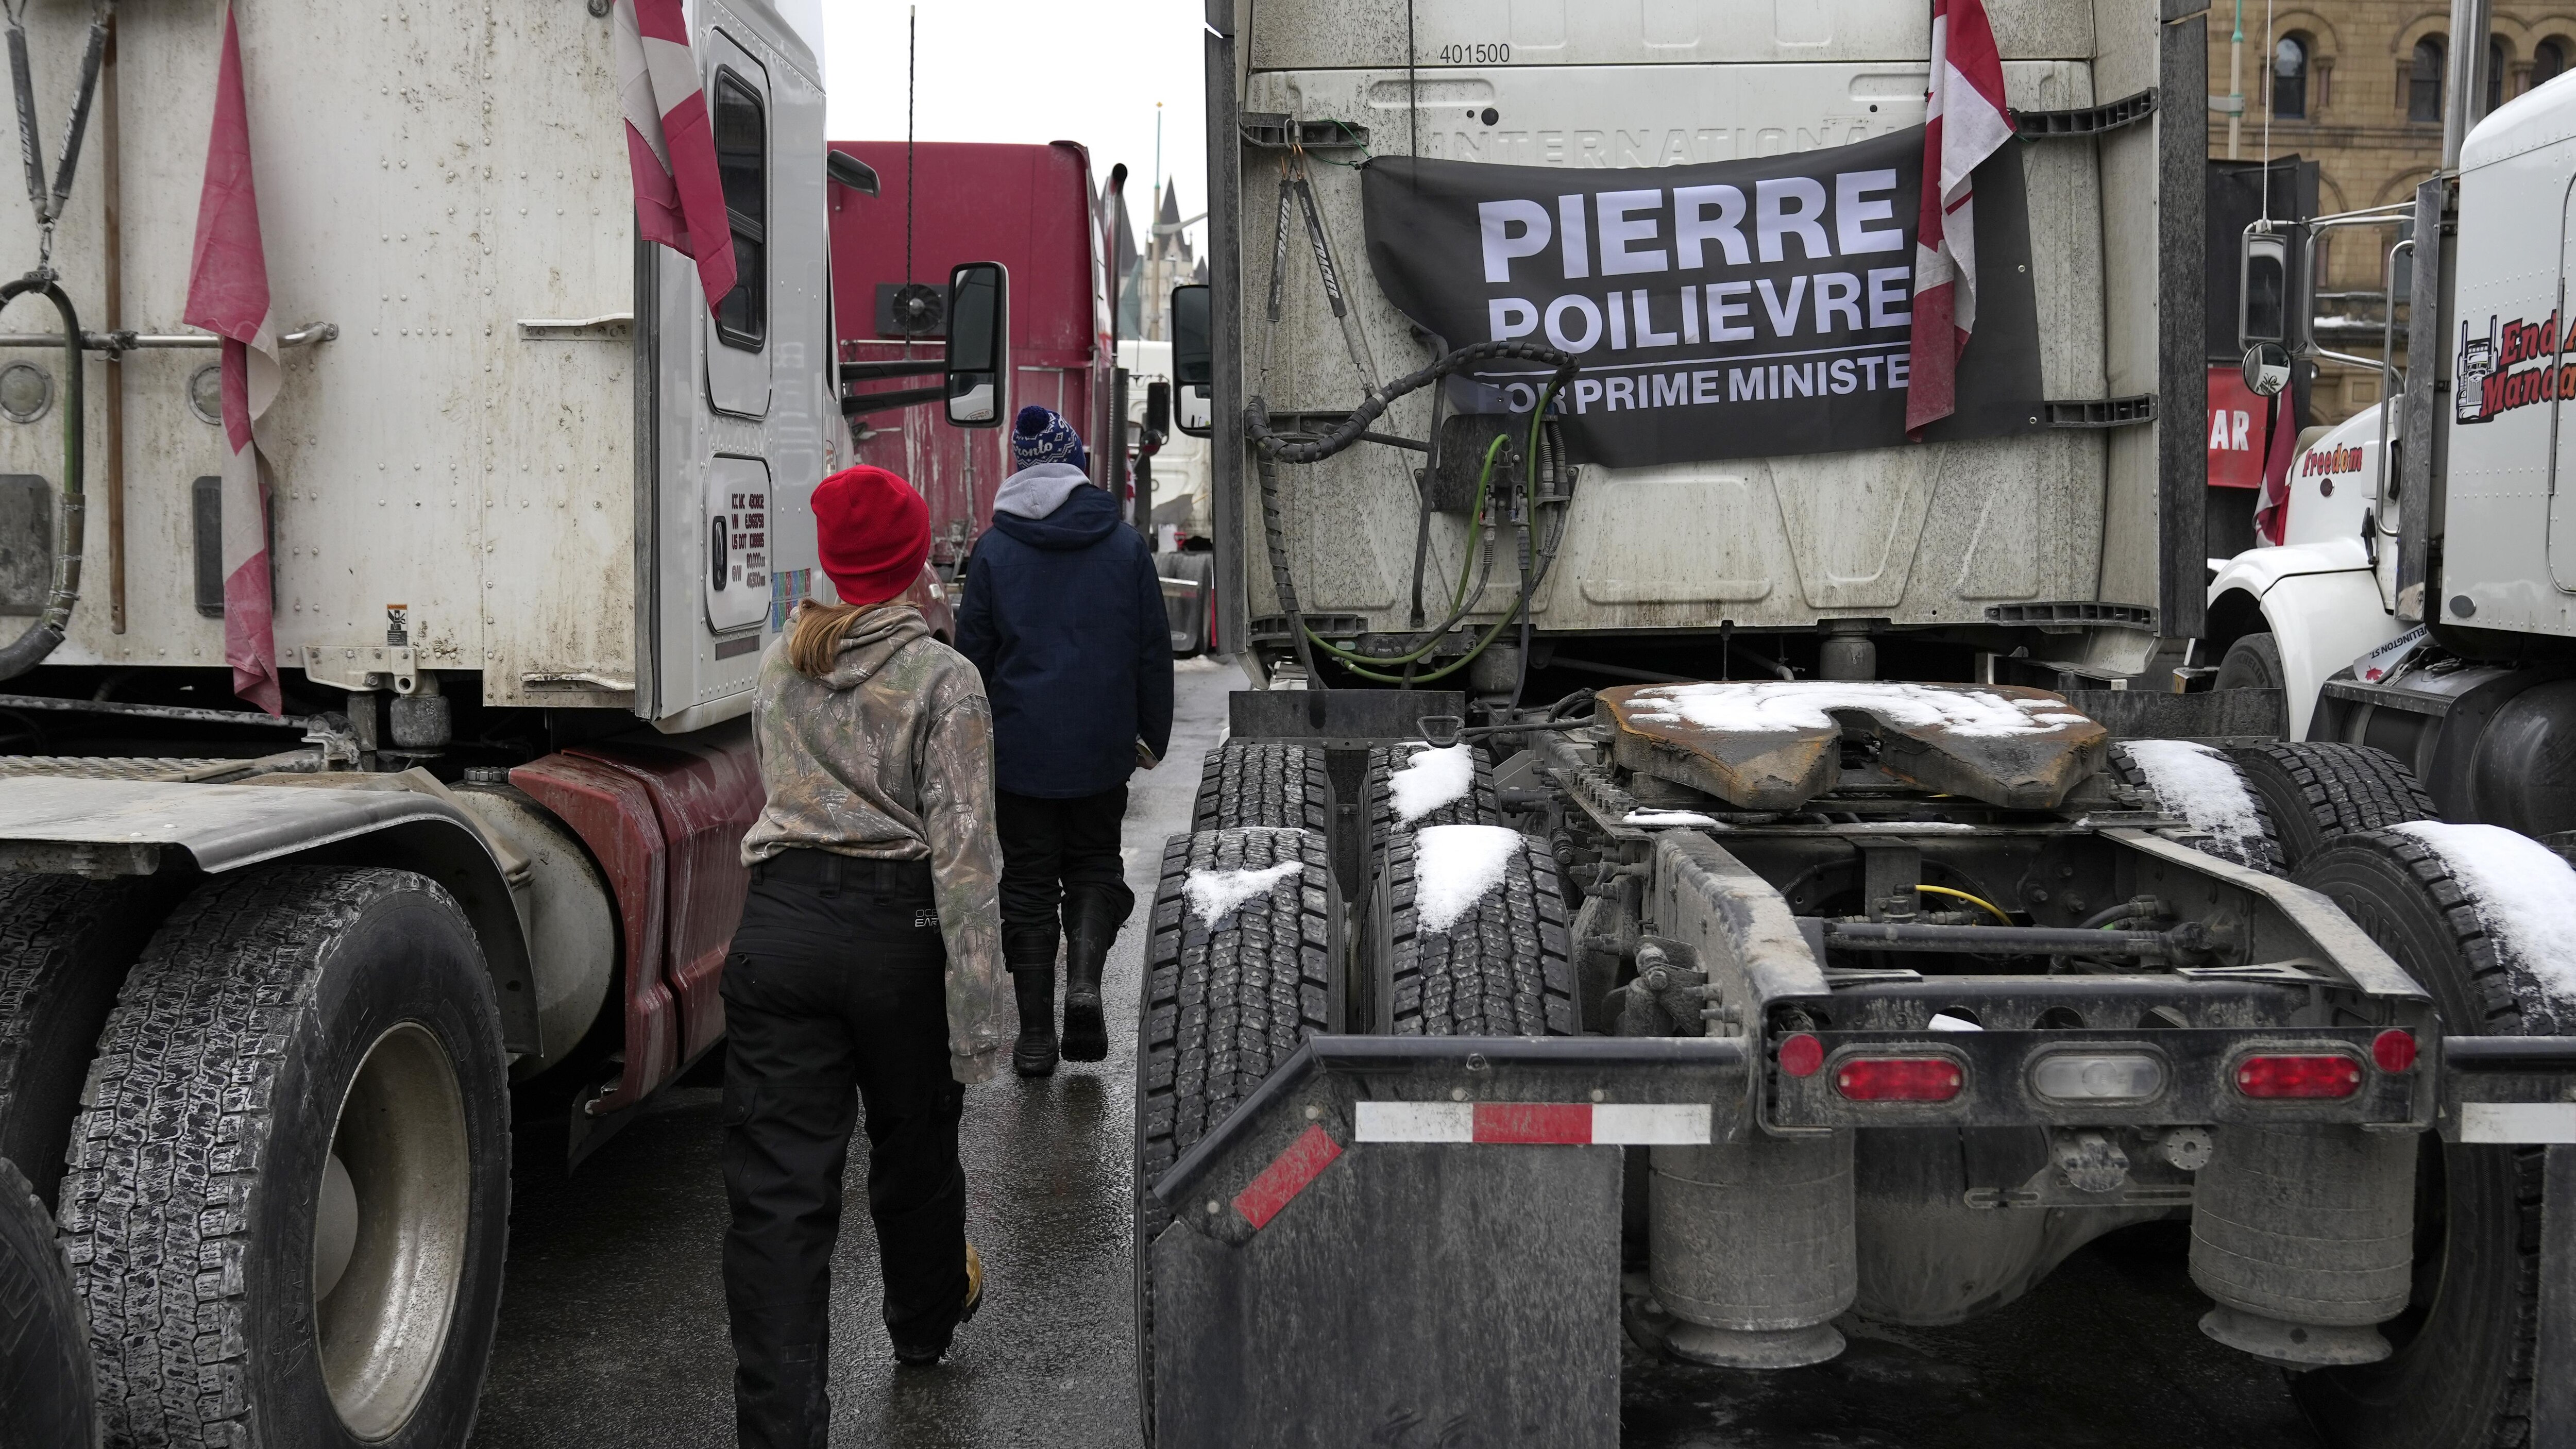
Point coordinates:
pixel 2370 535
pixel 716 554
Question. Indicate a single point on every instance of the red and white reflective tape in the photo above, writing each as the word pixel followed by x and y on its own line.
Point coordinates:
pixel 1578 1124
pixel 1285 1177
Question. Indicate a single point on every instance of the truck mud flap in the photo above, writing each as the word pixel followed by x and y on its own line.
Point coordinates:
pixel 1416 1239
pixel 2521 1091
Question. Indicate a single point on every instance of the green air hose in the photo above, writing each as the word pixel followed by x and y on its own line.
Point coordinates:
pixel 1271 448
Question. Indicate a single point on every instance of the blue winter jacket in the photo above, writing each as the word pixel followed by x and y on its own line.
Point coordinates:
pixel 1064 615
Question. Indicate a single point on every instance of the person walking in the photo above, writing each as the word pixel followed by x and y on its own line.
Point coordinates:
pixel 866 969
pixel 1064 615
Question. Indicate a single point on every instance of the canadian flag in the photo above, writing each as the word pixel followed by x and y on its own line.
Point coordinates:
pixel 1965 125
pixel 679 196
pixel 228 296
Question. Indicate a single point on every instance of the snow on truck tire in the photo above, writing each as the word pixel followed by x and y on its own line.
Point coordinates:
pixel 1411 786
pixel 2206 789
pixel 288 1192
pixel 65 946
pixel 1470 930
pixel 2485 920
pixel 2316 791
pixel 45 1388
pixel 1238 973
pixel 1260 785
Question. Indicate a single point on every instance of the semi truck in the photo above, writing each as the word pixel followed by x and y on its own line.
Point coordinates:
pixel 1028 208
pixel 1694 870
pixel 2409 600
pixel 275 985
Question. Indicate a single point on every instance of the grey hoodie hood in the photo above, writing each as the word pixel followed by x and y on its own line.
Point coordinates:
pixel 1039 489
pixel 873 641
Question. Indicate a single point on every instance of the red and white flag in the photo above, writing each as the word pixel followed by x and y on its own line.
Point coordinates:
pixel 228 296
pixel 1966 124
pixel 679 196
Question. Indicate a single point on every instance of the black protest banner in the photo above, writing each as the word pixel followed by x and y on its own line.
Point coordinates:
pixel 1736 309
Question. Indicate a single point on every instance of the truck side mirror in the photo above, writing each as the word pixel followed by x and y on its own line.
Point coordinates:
pixel 979 344
pixel 1158 409
pixel 1193 361
pixel 2267 369
pixel 851 172
pixel 2263 300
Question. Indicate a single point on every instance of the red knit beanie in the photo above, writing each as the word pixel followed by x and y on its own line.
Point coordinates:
pixel 872 532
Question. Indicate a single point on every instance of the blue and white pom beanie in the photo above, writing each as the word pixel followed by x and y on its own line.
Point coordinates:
pixel 1043 436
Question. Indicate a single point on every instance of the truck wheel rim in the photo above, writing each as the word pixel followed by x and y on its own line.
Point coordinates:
pixel 401 1141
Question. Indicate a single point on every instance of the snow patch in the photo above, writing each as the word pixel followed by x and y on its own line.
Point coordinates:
pixel 1434 777
pixel 1914 827
pixel 1806 704
pixel 1212 893
pixel 2198 784
pixel 2523 892
pixel 1455 866
pixel 1670 817
pixel 1944 1021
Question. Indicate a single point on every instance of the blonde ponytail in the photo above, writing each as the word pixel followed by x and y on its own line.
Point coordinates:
pixel 814 636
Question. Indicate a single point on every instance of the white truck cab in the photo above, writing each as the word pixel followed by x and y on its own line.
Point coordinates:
pixel 2294 612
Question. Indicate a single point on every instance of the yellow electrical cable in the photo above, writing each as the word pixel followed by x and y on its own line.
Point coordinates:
pixel 1963 895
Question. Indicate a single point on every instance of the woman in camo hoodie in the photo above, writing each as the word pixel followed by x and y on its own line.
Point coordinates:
pixel 869 957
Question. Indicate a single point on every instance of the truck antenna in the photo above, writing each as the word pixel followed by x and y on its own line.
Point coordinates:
pixel 911 55
pixel 2271 80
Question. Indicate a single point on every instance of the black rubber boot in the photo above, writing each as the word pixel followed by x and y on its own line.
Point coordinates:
pixel 1033 1055
pixel 1089 931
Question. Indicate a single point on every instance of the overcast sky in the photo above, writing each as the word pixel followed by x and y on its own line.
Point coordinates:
pixel 1032 71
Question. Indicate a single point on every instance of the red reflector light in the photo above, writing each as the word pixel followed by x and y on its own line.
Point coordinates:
pixel 2304 1076
pixel 1899 1079
pixel 1800 1055
pixel 2394 1050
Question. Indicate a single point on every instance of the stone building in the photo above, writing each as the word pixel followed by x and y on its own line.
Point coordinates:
pixel 2357 86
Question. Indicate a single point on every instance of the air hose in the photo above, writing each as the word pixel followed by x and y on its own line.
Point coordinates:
pixel 42 637
pixel 1271 448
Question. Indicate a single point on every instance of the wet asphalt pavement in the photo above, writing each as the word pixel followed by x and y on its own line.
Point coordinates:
pixel 613 1327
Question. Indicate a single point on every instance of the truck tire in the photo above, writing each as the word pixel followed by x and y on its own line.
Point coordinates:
pixel 1476 807
pixel 1505 968
pixel 45 1386
pixel 2461 1376
pixel 288 1192
pixel 65 946
pixel 2317 791
pixel 1225 1002
pixel 2156 766
pixel 1274 785
pixel 2253 662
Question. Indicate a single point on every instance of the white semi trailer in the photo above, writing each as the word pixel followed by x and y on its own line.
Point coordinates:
pixel 271 987
pixel 1811 954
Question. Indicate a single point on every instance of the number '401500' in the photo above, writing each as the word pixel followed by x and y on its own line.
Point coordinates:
pixel 1497 53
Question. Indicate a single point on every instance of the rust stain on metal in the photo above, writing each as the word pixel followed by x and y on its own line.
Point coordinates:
pixel 1766 745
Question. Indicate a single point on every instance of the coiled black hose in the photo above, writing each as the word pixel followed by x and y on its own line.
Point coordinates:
pixel 1272 448
pixel 46 634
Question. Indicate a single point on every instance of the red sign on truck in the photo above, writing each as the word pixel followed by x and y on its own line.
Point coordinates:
pixel 2238 430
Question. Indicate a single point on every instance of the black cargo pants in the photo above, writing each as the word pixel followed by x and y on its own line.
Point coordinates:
pixel 1060 862
pixel 835 994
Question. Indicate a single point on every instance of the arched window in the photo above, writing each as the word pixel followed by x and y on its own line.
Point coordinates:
pixel 2548 59
pixel 2424 81
pixel 2290 78
pixel 2495 72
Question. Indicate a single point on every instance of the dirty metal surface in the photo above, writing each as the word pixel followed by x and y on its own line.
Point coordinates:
pixel 1775 745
